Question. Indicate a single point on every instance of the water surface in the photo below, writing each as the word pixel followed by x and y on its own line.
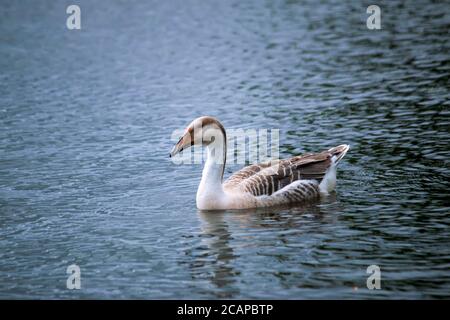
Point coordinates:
pixel 86 118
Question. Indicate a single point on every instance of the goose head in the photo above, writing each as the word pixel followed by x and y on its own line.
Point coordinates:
pixel 203 131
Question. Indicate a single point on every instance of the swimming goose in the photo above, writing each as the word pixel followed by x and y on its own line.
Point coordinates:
pixel 279 182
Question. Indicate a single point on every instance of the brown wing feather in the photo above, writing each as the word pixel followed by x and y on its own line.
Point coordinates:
pixel 267 178
pixel 246 172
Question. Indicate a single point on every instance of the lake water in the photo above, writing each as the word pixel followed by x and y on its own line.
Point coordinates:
pixel 86 118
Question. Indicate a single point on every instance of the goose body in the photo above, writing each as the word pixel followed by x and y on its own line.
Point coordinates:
pixel 297 179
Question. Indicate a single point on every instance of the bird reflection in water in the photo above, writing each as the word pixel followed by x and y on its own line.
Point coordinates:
pixel 224 234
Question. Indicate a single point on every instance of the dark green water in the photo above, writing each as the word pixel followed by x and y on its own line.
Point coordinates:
pixel 86 118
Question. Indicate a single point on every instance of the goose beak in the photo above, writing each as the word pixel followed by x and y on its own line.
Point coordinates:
pixel 181 145
pixel 175 150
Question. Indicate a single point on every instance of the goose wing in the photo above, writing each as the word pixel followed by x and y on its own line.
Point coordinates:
pixel 267 178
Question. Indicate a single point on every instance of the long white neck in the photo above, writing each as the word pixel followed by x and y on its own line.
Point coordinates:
pixel 210 190
pixel 213 171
